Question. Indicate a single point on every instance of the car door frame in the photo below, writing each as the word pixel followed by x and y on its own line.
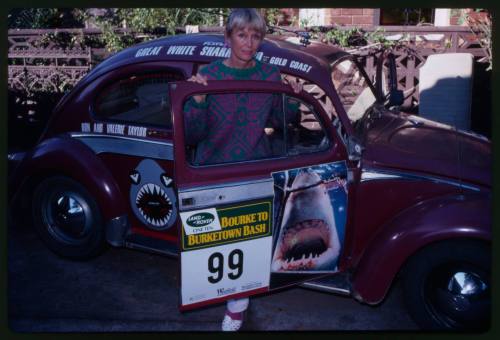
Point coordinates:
pixel 188 175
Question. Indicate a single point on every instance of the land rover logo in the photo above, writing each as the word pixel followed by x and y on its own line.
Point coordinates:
pixel 200 220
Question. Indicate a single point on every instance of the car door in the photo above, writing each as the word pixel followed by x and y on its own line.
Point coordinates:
pixel 259 223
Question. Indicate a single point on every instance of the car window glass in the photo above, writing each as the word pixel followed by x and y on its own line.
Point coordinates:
pixel 139 99
pixel 353 89
pixel 305 134
pixel 317 92
pixel 323 99
pixel 240 127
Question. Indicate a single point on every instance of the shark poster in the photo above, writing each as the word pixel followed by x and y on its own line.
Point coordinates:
pixel 310 216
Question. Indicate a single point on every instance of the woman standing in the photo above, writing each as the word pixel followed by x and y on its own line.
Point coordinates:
pixel 238 137
pixel 228 128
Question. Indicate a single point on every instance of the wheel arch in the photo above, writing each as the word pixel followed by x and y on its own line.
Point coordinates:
pixel 65 156
pixel 442 219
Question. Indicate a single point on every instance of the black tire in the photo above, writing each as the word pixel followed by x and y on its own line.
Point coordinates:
pixel 68 219
pixel 447 286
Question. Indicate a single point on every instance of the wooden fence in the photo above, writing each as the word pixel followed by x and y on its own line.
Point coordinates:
pixel 418 44
pixel 37 63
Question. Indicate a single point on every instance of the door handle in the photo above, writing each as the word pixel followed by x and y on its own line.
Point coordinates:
pixel 188 201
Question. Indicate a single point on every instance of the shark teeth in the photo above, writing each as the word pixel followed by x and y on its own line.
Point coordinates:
pixel 152 190
pixel 306 262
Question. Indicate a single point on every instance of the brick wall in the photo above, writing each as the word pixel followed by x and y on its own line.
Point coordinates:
pixel 351 16
pixel 360 16
pixel 288 15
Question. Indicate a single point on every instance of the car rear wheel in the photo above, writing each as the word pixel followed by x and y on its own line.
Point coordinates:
pixel 447 286
pixel 68 219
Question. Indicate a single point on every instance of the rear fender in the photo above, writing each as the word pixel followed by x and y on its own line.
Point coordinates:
pixel 443 218
pixel 67 156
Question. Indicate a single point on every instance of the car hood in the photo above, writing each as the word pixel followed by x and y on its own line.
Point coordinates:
pixel 412 143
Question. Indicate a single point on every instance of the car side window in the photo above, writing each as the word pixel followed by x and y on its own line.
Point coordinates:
pixel 306 134
pixel 353 89
pixel 240 127
pixel 316 91
pixel 138 98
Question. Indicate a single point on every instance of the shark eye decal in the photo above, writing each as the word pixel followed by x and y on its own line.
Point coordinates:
pixel 152 196
pixel 166 180
pixel 135 177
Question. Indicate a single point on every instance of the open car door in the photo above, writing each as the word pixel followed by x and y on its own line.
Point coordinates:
pixel 252 225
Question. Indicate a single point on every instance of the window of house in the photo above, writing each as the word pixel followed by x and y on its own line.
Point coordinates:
pixel 406 16
pixel 239 127
pixel 139 99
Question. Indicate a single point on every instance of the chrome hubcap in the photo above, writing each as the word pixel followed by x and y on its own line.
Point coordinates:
pixel 66 218
pixel 466 284
pixel 459 297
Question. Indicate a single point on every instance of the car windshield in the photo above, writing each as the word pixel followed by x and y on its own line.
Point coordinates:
pixel 353 88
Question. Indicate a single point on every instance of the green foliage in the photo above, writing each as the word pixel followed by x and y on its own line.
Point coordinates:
pixel 346 37
pixel 355 37
pixel 304 22
pixel 379 37
pixel 274 16
pixel 152 22
pixel 45 18
pixel 315 33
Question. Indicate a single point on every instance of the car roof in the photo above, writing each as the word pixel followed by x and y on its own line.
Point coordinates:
pixel 311 62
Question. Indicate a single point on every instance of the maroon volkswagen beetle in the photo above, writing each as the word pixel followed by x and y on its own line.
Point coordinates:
pixel 412 197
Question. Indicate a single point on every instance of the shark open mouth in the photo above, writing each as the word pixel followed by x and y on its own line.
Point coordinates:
pixel 305 246
pixel 154 205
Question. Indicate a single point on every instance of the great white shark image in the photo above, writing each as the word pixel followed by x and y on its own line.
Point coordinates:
pixel 308 238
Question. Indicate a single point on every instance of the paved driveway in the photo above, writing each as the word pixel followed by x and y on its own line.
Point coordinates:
pixel 126 290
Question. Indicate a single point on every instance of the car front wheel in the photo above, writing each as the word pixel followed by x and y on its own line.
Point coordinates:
pixel 68 219
pixel 447 285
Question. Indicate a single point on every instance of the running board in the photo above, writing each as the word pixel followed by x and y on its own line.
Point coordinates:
pixel 336 283
pixel 151 245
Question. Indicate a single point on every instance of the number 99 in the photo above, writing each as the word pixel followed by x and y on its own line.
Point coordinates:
pixel 216 265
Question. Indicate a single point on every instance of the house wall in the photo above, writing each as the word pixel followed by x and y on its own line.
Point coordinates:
pixel 359 16
pixel 352 16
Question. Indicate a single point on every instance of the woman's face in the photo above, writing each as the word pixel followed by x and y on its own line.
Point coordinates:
pixel 244 43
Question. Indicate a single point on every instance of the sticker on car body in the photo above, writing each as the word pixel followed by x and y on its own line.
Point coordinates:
pixel 152 196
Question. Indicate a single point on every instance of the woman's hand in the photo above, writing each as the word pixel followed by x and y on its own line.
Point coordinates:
pixel 199 79
pixel 296 86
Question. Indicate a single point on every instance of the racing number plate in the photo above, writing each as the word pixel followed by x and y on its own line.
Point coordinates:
pixel 226 252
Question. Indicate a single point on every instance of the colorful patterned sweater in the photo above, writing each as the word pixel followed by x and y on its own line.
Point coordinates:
pixel 230 127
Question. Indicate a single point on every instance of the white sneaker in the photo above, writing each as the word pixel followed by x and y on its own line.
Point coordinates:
pixel 231 325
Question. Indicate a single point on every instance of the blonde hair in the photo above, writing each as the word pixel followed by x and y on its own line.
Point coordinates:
pixel 246 17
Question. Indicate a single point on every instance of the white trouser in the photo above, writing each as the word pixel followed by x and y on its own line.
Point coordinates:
pixel 237 305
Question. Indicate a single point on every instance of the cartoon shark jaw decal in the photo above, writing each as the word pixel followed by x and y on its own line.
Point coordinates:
pixel 308 239
pixel 152 197
pixel 154 204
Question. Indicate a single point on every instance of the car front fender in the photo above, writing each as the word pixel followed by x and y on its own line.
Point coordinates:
pixel 63 155
pixel 460 216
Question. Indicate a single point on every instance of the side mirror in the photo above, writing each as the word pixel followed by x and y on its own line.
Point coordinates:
pixel 388 94
pixel 396 97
